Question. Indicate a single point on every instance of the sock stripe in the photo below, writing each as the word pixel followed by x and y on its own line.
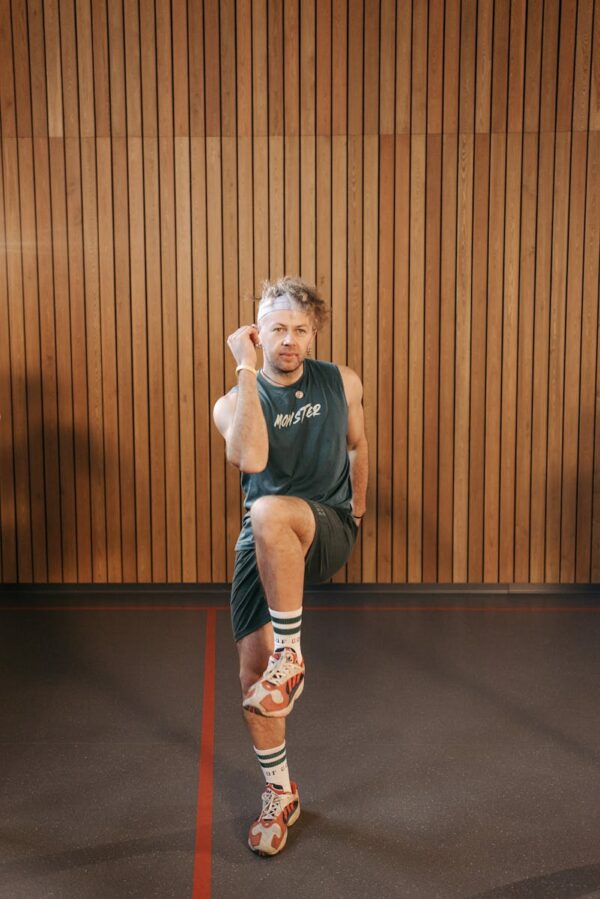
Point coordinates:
pixel 271 755
pixel 283 621
pixel 273 763
pixel 284 632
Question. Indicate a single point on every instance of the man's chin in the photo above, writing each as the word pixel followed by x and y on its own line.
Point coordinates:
pixel 288 364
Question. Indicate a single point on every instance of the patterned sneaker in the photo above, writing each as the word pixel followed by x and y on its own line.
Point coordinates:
pixel 268 832
pixel 280 686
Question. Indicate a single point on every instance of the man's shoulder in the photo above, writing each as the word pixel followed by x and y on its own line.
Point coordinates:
pixel 352 383
pixel 348 374
pixel 325 365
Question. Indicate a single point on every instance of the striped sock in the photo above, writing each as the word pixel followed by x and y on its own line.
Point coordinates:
pixel 286 630
pixel 274 766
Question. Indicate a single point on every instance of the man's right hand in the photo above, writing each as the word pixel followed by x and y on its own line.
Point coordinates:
pixel 242 344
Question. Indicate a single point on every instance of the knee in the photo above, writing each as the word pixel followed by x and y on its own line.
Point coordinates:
pixel 248 677
pixel 266 513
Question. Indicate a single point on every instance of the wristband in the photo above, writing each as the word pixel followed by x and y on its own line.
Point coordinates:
pixel 247 367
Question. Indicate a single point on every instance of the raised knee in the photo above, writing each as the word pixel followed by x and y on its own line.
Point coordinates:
pixel 266 511
pixel 248 678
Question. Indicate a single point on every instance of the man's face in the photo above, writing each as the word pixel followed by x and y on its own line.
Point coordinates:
pixel 286 336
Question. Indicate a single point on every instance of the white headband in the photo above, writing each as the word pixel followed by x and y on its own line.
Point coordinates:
pixel 272 304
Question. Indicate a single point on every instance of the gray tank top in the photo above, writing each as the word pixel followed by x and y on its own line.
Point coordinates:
pixel 308 455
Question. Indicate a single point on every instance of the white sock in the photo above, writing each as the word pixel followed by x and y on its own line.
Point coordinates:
pixel 274 766
pixel 286 629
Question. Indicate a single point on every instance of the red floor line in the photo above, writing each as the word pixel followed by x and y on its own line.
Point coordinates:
pixel 114 608
pixel 203 848
pixel 308 608
pixel 452 608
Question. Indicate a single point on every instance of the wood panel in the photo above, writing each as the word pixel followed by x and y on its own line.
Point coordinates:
pixel 434 168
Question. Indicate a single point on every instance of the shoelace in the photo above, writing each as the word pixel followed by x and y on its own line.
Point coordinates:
pixel 281 669
pixel 272 805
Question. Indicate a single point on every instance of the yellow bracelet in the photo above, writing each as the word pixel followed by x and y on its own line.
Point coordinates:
pixel 247 367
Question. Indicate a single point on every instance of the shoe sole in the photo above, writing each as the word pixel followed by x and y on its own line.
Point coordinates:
pixel 291 820
pixel 280 713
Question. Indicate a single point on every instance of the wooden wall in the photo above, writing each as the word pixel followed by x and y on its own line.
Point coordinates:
pixel 432 166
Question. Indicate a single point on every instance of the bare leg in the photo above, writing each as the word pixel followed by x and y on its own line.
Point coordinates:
pixel 254 651
pixel 284 528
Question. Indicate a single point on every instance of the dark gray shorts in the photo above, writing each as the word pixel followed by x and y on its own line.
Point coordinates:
pixel 333 542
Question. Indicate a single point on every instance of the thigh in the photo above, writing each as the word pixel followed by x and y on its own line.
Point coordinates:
pixel 249 609
pixel 335 536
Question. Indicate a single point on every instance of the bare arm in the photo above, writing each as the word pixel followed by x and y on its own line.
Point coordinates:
pixel 358 450
pixel 239 416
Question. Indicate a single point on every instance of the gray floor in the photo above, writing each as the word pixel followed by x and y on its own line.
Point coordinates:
pixel 451 754
pixel 99 750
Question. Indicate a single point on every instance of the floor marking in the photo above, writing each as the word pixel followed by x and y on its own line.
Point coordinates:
pixel 203 848
pixel 307 608
pixel 114 608
pixel 452 608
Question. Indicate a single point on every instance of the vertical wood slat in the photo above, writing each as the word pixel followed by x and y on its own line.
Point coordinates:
pixel 433 187
pixel 448 263
pixel 108 351
pixel 543 257
pixel 51 501
pixel 142 510
pixel 462 374
pixel 510 323
pixel 432 167
pixel 65 408
pixel 22 69
pixel 8 529
pixel 481 179
pixel 573 344
pixel 525 363
pixel 7 84
pixel 291 102
pixel 33 361
pixel 20 443
pixel 201 359
pixel 93 357
pixel 185 333
pixel 369 327
pixel 339 259
pixel 35 18
pixel 588 476
pixel 384 339
pixel 148 365
pixel 556 372
pixel 493 435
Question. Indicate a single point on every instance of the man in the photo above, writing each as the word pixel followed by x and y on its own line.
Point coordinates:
pixel 295 430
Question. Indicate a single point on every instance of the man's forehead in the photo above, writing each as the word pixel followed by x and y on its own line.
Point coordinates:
pixel 295 317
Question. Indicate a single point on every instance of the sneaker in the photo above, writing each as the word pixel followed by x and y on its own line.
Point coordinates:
pixel 280 686
pixel 268 832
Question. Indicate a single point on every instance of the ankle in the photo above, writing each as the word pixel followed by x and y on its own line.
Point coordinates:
pixel 287 629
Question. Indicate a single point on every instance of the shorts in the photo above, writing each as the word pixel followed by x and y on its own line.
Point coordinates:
pixel 334 540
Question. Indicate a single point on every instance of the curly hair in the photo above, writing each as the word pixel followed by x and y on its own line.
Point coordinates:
pixel 305 294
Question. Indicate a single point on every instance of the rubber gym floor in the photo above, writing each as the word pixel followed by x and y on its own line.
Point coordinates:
pixel 446 745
